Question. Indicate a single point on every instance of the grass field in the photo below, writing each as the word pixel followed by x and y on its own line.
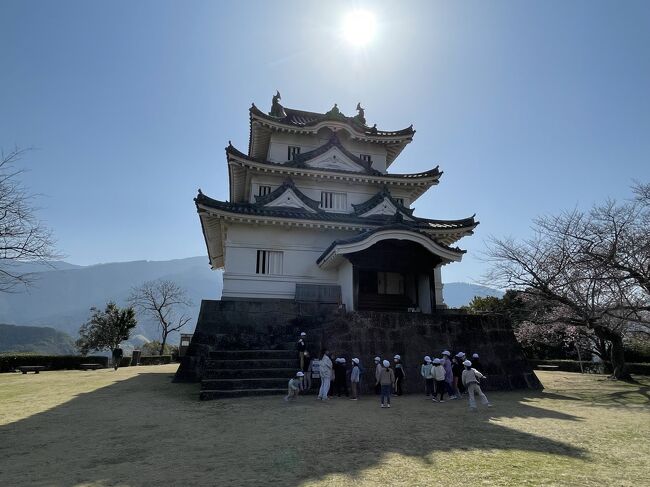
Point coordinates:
pixel 134 427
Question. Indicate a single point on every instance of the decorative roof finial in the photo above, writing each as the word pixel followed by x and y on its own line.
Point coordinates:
pixel 361 116
pixel 335 113
pixel 277 110
pixel 200 192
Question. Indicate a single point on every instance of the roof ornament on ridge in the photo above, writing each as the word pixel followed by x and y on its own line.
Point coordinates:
pixel 335 113
pixel 361 116
pixel 277 110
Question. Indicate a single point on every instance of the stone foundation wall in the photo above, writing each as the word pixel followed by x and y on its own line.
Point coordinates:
pixel 275 324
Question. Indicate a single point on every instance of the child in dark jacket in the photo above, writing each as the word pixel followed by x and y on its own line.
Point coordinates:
pixel 400 374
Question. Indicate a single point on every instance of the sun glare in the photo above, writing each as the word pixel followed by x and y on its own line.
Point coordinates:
pixel 359 27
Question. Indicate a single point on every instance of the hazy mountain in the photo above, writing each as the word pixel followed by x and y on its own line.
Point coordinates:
pixel 62 298
pixel 37 339
pixel 459 294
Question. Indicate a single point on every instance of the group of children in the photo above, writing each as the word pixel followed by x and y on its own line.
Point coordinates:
pixel 454 376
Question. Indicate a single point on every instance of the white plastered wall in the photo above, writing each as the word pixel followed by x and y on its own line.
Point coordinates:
pixel 301 248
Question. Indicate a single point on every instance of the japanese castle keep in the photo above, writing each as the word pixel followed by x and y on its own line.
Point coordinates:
pixel 317 233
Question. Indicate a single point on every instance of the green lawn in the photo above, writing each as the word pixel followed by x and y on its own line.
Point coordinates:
pixel 134 427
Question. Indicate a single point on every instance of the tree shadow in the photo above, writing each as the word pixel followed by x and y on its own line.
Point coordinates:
pixel 145 430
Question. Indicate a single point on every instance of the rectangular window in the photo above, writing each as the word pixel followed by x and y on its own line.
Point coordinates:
pixel 400 201
pixel 269 262
pixel 334 201
pixel 263 190
pixel 292 152
pixel 366 157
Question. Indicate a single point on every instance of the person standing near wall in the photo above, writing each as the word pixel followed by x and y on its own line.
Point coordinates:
pixel 449 376
pixel 438 373
pixel 400 375
pixel 378 368
pixel 306 369
pixel 325 371
pixel 355 376
pixel 476 363
pixel 301 346
pixel 386 380
pixel 425 371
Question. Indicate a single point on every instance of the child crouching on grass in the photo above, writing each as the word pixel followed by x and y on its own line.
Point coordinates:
pixel 295 385
pixel 470 380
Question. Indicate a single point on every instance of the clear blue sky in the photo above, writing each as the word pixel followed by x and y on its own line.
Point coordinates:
pixel 528 107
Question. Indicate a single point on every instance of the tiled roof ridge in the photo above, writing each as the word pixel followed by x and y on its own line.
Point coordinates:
pixel 377 199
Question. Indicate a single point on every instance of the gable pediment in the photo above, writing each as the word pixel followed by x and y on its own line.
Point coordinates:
pixel 334 158
pixel 289 199
pixel 385 207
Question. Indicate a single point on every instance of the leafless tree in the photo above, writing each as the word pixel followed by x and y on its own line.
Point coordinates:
pixel 165 302
pixel 23 238
pixel 589 269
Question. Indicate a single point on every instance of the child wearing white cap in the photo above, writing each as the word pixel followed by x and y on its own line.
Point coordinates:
pixel 449 375
pixel 325 372
pixel 386 380
pixel 425 371
pixel 476 363
pixel 400 374
pixel 438 372
pixel 470 380
pixel 294 387
pixel 355 377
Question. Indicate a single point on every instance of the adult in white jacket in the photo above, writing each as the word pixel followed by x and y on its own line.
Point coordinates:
pixel 325 375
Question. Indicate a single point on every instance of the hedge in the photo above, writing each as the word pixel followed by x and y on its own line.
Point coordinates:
pixel 574 366
pixel 155 359
pixel 9 363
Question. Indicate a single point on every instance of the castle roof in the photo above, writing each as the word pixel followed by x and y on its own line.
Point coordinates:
pixel 290 120
pixel 239 164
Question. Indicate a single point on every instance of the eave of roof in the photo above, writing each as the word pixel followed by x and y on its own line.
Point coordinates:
pixel 452 227
pixel 432 174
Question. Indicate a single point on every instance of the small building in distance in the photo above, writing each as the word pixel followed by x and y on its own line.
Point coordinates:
pixel 314 215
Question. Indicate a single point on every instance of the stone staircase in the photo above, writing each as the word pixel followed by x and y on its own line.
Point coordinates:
pixel 238 373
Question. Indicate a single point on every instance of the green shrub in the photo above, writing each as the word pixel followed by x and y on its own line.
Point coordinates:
pixel 155 360
pixel 9 363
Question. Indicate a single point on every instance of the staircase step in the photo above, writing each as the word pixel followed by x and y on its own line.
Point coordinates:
pixel 221 394
pixel 245 384
pixel 253 354
pixel 249 373
pixel 253 364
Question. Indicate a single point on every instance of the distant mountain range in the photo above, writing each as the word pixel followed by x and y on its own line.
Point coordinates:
pixel 35 339
pixel 63 293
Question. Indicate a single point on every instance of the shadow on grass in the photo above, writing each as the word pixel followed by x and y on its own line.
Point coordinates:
pixel 145 430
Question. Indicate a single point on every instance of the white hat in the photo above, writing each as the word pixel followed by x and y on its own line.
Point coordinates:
pixel 475 355
pixel 467 363
pixel 397 357
pixel 460 354
pixel 300 374
pixel 303 334
pixel 339 360
pixel 355 360
pixel 386 363
pixel 436 361
pixel 427 359
pixel 377 359
pixel 342 360
pixel 446 352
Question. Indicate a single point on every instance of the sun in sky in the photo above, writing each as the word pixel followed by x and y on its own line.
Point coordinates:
pixel 359 27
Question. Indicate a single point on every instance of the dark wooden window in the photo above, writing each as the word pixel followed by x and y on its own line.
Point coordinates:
pixel 292 152
pixel 399 200
pixel 264 190
pixel 333 201
pixel 366 157
pixel 269 262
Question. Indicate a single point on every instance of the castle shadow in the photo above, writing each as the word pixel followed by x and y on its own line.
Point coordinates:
pixel 147 431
